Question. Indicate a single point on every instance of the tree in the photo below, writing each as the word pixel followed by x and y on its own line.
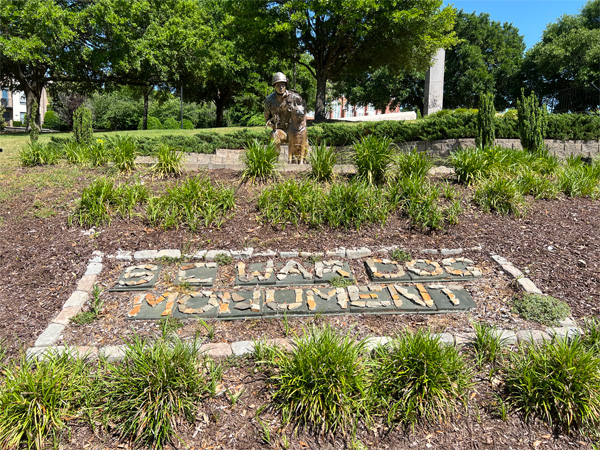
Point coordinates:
pixel 41 41
pixel 566 62
pixel 488 58
pixel 346 36
pixel 151 43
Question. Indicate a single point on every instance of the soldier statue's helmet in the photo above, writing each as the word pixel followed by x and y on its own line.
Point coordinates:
pixel 279 77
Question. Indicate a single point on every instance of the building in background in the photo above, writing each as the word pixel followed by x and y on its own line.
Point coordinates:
pixel 15 106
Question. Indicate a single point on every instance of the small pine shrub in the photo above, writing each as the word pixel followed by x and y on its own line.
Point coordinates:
pixel 82 126
pixel 532 122
pixel 321 384
pixel 372 158
pixel 557 381
pixel 486 132
pixel 260 161
pixel 543 309
pixel 154 389
pixel 168 161
pixel 416 377
pixel 500 194
pixel 322 161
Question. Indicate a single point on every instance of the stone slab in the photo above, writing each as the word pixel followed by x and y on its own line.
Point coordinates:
pixel 507 337
pixel 450 251
pixel 292 254
pixel 148 277
pixel 93 268
pixel 65 315
pixel 124 255
pixel 77 300
pixel 239 304
pixel 200 254
pixel 212 254
pixel 371 299
pixel 443 303
pixel 356 253
pixel 50 335
pixel 339 252
pixel 145 254
pixel 199 304
pixel 262 275
pixel 386 271
pixel 293 279
pixel 328 300
pixel 112 352
pixel 327 270
pixel 528 286
pixel 216 350
pixel 86 283
pixel 533 336
pixel 241 348
pixel 377 341
pixel 197 274
pixel 242 254
pixel 169 253
pixel 141 308
pixel 563 332
pixel 446 338
pixel 407 299
pixel 280 302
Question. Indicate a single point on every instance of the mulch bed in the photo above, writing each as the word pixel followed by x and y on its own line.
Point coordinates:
pixel 556 242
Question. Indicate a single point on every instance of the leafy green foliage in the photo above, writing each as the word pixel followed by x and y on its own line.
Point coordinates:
pixel 223 259
pixel 499 194
pixel 96 304
pixel 411 163
pixel 260 161
pixel 578 179
pixel 171 124
pixel 486 132
pixel 82 126
pixel 372 158
pixel 416 377
pixel 153 123
pixel 37 399
pixel 195 202
pixel 168 161
pixel 124 152
pixel 322 161
pixel 399 255
pixel 96 153
pixel 543 309
pixel 532 123
pixel 291 202
pixel 539 186
pixel 558 381
pixel 321 384
pixel 341 282
pixel 38 154
pixel 591 334
pixel 154 388
pixel 52 121
pixel 488 343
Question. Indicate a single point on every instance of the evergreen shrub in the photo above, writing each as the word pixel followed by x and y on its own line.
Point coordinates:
pixel 82 125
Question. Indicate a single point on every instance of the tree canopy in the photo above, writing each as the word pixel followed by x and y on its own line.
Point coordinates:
pixel 346 36
pixel 565 65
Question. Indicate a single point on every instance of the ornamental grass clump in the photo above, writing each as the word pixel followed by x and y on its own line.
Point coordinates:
pixel 372 158
pixel 154 389
pixel 322 161
pixel 579 179
pixel 501 194
pixel 416 377
pixel 558 381
pixel 196 202
pixel 322 384
pixel 410 164
pixel 354 204
pixel 37 154
pixel 488 343
pixel 39 398
pixel 291 202
pixel 260 161
pixel 168 161
pixel 124 151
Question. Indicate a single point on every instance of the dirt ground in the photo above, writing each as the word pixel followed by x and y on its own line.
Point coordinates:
pixel 42 259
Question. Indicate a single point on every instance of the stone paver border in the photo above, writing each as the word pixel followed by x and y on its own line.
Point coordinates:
pixel 45 343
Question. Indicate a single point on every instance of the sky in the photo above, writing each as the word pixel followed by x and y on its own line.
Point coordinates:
pixel 529 16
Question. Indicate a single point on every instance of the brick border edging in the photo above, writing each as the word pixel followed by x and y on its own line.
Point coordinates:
pixel 45 343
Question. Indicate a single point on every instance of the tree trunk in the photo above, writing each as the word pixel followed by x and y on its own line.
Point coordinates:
pixel 33 97
pixel 320 111
pixel 145 116
pixel 220 104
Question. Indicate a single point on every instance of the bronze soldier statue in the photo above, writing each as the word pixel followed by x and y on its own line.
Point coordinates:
pixel 285 113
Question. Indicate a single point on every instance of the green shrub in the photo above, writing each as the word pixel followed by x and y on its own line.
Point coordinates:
pixel 558 381
pixel 188 124
pixel 321 384
pixel 82 126
pixel 154 388
pixel 124 152
pixel 591 334
pixel 486 132
pixel 354 204
pixel 171 124
pixel 416 377
pixel 168 161
pixel 152 123
pixel 578 180
pixel 322 161
pixel 38 154
pixel 543 309
pixel 73 152
pixel 538 186
pixel 194 202
pixel 532 122
pixel 260 161
pixel 411 163
pixel 39 399
pixel 372 158
pixel 487 344
pixel 96 153
pixel 291 202
pixel 500 194
pixel 52 121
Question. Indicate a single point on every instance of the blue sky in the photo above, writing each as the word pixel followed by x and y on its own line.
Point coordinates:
pixel 529 16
